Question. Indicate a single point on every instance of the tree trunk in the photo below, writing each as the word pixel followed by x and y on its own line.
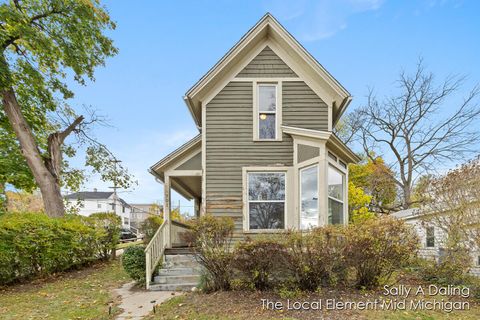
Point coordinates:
pixel 46 180
pixel 407 197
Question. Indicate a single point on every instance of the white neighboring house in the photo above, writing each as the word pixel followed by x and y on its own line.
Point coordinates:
pixel 432 237
pixel 88 202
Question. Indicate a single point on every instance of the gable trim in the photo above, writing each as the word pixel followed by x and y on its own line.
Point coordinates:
pixel 267 28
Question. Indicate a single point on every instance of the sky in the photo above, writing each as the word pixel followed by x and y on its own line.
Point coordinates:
pixel 166 46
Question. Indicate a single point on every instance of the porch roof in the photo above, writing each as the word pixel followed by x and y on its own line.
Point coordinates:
pixel 185 182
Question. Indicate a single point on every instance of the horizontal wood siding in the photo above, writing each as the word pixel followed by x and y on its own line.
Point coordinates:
pixel 266 64
pixel 230 146
pixel 302 107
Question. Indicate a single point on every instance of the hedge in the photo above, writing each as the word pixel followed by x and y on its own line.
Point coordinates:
pixel 34 245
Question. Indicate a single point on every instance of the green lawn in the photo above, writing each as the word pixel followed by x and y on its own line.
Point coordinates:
pixel 82 294
pixel 129 244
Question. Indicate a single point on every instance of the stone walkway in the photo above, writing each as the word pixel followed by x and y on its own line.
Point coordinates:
pixel 137 303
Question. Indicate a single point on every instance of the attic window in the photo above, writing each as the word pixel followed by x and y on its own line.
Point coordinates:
pixel 267 111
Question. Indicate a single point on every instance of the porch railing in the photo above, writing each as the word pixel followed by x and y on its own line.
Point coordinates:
pixel 154 251
pixel 177 231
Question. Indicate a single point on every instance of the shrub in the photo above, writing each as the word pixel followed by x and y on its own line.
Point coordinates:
pixel 33 244
pixel 133 261
pixel 211 239
pixel 150 226
pixel 261 261
pixel 450 269
pixel 378 247
pixel 317 258
pixel 108 225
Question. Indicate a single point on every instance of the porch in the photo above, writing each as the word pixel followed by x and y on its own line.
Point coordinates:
pixel 181 171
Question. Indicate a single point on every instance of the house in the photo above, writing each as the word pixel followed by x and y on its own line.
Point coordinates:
pixel 265 154
pixel 87 202
pixel 432 236
pixel 141 211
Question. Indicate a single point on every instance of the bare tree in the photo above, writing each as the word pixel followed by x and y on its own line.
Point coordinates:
pixel 409 132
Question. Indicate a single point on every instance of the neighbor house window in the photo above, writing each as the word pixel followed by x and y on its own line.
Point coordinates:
pixel 430 232
pixel 99 205
pixel 123 209
pixel 336 181
pixel 309 197
pixel 267 111
pixel 266 200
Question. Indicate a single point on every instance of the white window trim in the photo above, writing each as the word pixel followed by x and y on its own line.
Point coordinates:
pixel 343 172
pixel 278 109
pixel 315 164
pixel 246 213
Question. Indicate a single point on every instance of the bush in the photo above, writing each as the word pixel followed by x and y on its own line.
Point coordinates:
pixel 211 239
pixel 261 262
pixel 150 226
pixel 378 247
pixel 317 258
pixel 450 269
pixel 108 225
pixel 33 244
pixel 133 261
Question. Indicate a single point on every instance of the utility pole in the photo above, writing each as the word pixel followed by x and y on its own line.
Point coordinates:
pixel 115 187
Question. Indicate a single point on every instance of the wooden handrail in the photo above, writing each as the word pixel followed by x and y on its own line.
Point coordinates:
pixel 154 252
pixel 181 224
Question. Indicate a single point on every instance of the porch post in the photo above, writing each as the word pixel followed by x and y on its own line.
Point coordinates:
pixel 166 210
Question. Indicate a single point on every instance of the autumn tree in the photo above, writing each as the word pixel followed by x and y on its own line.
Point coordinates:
pixel 375 179
pixel 41 44
pixel 419 127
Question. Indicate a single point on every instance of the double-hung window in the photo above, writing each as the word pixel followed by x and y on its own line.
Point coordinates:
pixel 266 200
pixel 336 182
pixel 267 111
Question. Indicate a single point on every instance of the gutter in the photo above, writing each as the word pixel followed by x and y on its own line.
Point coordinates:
pixel 156 175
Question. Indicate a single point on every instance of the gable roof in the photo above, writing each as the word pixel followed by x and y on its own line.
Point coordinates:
pixel 284 45
pixel 90 195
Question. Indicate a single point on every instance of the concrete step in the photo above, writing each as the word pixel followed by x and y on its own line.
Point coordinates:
pixel 192 278
pixel 173 287
pixel 180 257
pixel 178 271
pixel 180 264
pixel 179 250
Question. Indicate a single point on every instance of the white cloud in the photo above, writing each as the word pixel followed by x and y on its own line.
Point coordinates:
pixel 315 20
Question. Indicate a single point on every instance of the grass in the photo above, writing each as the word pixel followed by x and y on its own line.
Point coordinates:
pixel 81 294
pixel 247 305
pixel 128 244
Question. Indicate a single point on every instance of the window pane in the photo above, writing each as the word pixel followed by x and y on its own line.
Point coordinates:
pixel 267 100
pixel 430 237
pixel 309 197
pixel 266 126
pixel 267 215
pixel 335 183
pixel 266 186
pixel 335 212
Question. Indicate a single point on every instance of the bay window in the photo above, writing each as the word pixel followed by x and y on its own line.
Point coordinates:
pixel 266 200
pixel 336 183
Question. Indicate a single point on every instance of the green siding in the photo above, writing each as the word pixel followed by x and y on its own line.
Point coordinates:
pixel 266 64
pixel 229 141
pixel 302 107
pixel 194 163
pixel 305 152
